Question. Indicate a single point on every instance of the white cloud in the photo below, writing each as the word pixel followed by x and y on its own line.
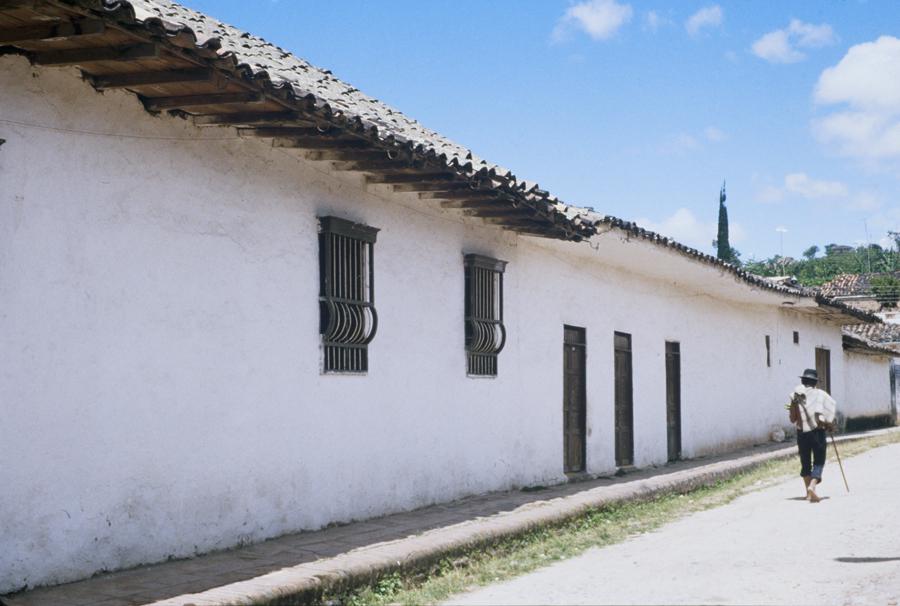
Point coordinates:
pixel 686 228
pixel 776 48
pixel 782 45
pixel 808 35
pixel 679 144
pixel 713 134
pixel 710 16
pixel 652 21
pixel 599 19
pixel 804 186
pixel 866 201
pixel 769 194
pixel 686 142
pixel 861 134
pixel 868 77
pixel 887 219
pixel 866 83
pixel 811 189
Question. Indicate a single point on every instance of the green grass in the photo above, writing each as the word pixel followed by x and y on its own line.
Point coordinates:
pixel 596 528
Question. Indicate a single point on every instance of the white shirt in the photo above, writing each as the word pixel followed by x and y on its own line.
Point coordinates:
pixel 817 402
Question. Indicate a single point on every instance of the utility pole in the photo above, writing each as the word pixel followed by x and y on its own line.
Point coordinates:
pixel 868 247
pixel 781 229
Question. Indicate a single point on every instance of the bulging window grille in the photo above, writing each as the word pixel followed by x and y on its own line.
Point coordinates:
pixel 347 317
pixel 485 333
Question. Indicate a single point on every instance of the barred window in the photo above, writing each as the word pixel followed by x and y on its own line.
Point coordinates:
pixel 347 317
pixel 485 333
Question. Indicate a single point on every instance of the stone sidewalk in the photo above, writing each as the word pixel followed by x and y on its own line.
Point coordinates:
pixel 297 568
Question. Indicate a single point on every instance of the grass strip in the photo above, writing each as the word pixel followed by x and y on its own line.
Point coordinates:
pixel 596 528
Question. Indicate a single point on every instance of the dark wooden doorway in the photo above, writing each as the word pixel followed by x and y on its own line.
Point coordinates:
pixel 895 377
pixel 624 405
pixel 673 399
pixel 823 368
pixel 574 399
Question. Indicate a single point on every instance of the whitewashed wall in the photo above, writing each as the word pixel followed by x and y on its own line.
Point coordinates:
pixel 868 390
pixel 723 352
pixel 159 353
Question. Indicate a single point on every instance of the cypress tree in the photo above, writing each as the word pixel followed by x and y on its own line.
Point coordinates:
pixel 723 251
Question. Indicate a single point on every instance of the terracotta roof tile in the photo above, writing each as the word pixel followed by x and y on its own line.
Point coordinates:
pixel 881 334
pixel 851 285
pixel 280 70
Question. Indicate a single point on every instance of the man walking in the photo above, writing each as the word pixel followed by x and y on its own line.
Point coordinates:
pixel 812 410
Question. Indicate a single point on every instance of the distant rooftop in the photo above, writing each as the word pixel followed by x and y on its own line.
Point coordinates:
pixel 853 285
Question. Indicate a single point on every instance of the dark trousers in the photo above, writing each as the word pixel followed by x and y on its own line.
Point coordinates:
pixel 812 445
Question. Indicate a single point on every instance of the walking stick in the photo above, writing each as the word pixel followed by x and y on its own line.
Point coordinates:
pixel 841 465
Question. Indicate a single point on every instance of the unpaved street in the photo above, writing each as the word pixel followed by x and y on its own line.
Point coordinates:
pixel 767 547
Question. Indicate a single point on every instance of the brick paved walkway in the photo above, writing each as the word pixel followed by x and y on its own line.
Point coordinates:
pixel 477 516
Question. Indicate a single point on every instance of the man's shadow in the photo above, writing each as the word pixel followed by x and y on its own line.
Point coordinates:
pixel 804 498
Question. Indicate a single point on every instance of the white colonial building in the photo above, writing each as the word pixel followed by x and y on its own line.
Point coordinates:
pixel 241 299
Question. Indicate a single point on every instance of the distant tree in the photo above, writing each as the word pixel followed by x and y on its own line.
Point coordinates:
pixel 838 259
pixel 724 251
pixel 763 267
pixel 895 253
pixel 886 290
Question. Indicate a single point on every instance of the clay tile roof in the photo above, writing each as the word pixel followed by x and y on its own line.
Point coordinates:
pixel 858 345
pixel 879 334
pixel 852 285
pixel 282 71
pixel 846 285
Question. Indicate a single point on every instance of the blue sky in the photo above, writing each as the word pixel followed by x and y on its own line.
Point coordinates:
pixel 640 109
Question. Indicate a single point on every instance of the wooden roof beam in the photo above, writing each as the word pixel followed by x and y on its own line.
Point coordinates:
pixel 483 203
pixel 15 4
pixel 548 232
pixel 52 32
pixel 421 186
pixel 316 143
pixel 288 131
pixel 174 76
pixel 344 155
pixel 519 222
pixel 369 165
pixel 251 118
pixel 155 104
pixel 454 194
pixel 390 178
pixel 82 56
pixel 503 211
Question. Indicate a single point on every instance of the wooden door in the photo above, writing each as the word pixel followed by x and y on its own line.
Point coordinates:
pixel 895 374
pixel 823 368
pixel 574 399
pixel 673 399
pixel 624 405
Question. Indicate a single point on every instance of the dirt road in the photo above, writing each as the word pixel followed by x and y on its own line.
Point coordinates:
pixel 766 547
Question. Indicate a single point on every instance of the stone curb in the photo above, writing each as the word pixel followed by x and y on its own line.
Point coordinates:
pixel 306 583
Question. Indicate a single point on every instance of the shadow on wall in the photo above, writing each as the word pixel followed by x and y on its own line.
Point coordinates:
pixel 870 422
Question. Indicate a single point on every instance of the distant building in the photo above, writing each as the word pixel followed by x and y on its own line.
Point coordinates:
pixel 837 249
pixel 857 290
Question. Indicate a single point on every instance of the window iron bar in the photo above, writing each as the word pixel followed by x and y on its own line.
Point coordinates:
pixel 349 320
pixel 484 329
